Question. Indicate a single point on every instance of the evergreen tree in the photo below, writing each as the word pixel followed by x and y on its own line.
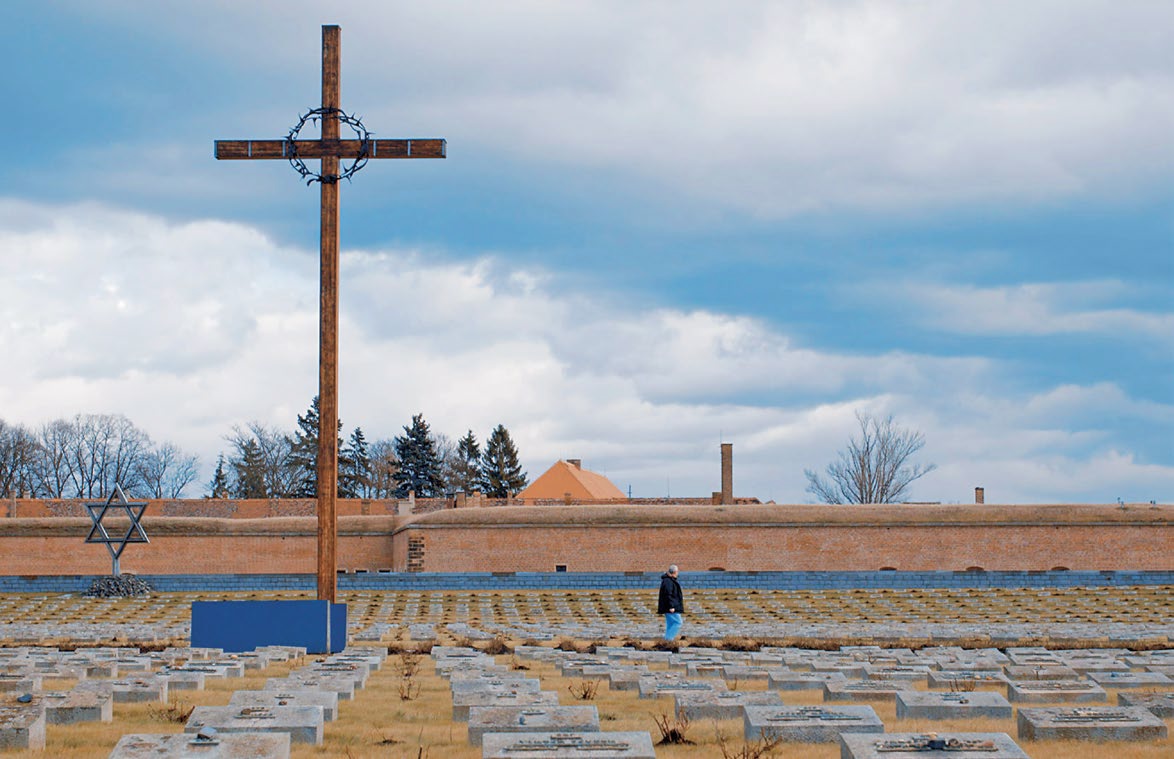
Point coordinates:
pixel 354 467
pixel 419 464
pixel 501 474
pixel 304 455
pixel 467 466
pixel 218 487
pixel 249 472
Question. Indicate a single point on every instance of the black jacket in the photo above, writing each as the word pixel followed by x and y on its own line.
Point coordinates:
pixel 671 596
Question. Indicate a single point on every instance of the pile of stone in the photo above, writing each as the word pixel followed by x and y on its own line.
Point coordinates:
pixel 122 586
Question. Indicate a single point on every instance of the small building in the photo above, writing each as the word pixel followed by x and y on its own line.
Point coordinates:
pixel 569 482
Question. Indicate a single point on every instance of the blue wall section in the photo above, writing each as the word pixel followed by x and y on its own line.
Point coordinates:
pixel 236 626
pixel 604 580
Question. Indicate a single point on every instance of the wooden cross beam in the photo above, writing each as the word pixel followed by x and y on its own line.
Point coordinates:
pixel 329 149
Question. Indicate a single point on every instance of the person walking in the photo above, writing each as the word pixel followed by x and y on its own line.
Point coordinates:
pixel 671 603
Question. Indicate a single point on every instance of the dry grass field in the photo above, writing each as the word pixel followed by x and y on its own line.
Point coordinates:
pixel 381 722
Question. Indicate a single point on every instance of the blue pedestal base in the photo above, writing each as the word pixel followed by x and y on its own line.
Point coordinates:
pixel 237 626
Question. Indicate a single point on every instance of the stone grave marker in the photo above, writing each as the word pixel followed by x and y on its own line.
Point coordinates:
pixel 327 699
pixel 928 745
pixel 865 690
pixel 801 680
pixel 135 690
pixel 303 724
pixel 22 726
pixel 1161 704
pixel 669 684
pixel 1130 680
pixel 1087 723
pixel 952 705
pixel 188 746
pixel 69 707
pixel 1048 672
pixel 496 684
pixel 343 687
pixel 720 704
pixel 748 672
pixel 1055 692
pixel 515 719
pixel 568 745
pixel 808 724
pixel 20 683
pixel 962 679
pixel 462 702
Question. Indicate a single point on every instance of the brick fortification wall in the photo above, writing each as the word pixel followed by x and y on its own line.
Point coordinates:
pixel 183 545
pixel 596 538
pixel 789 538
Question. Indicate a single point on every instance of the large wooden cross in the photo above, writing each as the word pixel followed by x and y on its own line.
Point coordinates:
pixel 330 149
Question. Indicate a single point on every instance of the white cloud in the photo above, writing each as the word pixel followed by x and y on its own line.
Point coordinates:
pixel 1035 309
pixel 762 107
pixel 191 328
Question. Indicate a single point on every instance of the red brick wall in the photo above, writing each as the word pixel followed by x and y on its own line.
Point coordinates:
pixel 907 548
pixel 622 538
pixel 792 538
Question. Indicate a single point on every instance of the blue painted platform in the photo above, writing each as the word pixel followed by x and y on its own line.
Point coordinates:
pixel 236 626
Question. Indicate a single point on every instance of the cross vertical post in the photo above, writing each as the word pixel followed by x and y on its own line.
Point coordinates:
pixel 328 330
pixel 330 149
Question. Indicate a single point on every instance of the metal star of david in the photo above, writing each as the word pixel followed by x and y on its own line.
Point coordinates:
pixel 134 534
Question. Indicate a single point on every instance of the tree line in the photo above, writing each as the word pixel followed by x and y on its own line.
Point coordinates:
pixel 86 456
pixel 264 462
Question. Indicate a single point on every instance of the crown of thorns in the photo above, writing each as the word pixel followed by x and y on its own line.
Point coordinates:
pixel 315 115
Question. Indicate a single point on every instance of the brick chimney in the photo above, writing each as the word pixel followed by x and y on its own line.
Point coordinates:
pixel 979 495
pixel 727 473
pixel 577 463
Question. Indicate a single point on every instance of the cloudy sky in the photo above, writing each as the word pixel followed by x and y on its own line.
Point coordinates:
pixel 660 226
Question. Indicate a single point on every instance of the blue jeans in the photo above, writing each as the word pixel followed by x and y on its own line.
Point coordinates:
pixel 672 625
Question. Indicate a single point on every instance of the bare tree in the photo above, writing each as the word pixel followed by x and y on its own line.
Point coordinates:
pixel 165 471
pixel 105 451
pixel 18 453
pixel 874 468
pixel 51 469
pixel 384 465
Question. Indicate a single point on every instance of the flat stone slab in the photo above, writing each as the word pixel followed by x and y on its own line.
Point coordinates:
pixel 462 702
pixel 1055 692
pixel 934 705
pixel 1051 672
pixel 1090 723
pixel 327 699
pixel 69 707
pixel 808 724
pixel 803 680
pixel 139 690
pixel 721 704
pixel 521 719
pixel 924 746
pixel 657 685
pixel 22 726
pixel 865 690
pixel 1161 704
pixel 303 724
pixel 958 679
pixel 568 745
pixel 20 683
pixel 746 672
pixel 1129 680
pixel 344 687
pixel 496 685
pixel 188 746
